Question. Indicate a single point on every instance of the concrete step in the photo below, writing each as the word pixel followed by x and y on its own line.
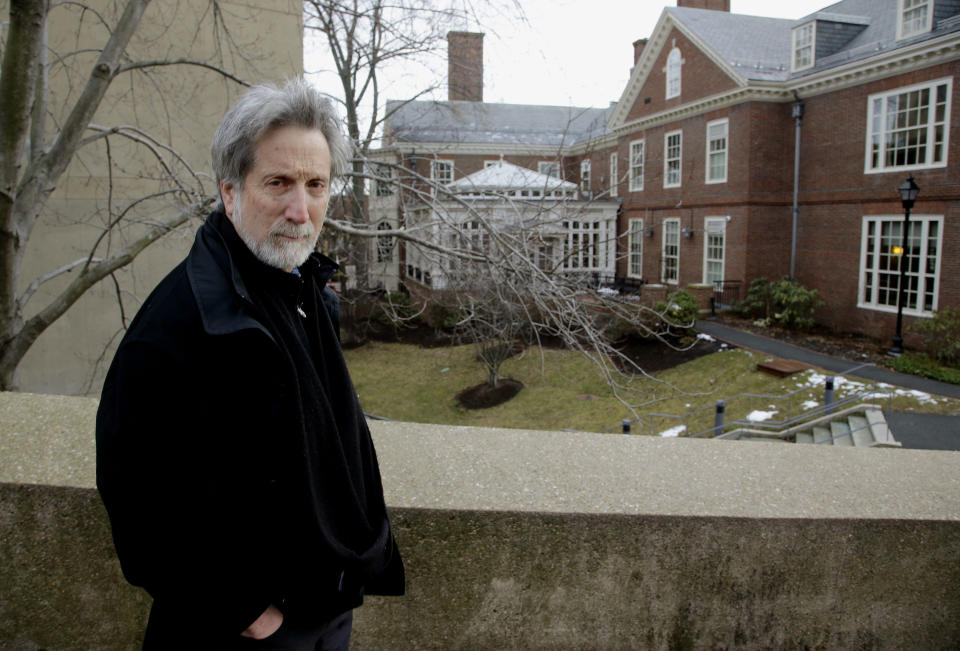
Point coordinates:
pixel 861 433
pixel 879 428
pixel 820 434
pixel 804 437
pixel 840 432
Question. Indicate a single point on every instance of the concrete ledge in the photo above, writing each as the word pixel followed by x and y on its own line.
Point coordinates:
pixel 517 539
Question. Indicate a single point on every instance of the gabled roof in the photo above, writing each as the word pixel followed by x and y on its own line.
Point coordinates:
pixel 507 176
pixel 488 123
pixel 757 47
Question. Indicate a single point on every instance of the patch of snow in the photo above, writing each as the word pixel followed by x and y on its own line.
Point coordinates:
pixel 810 404
pixel 705 337
pixel 756 415
pixel 674 431
pixel 608 290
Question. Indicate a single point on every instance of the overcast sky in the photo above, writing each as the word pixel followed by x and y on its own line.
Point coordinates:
pixel 567 52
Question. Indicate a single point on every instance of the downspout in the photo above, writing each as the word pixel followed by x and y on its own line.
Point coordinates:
pixel 798 118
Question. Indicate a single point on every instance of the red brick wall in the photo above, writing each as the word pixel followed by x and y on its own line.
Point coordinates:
pixel 700 77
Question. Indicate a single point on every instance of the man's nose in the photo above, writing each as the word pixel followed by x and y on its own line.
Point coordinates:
pixel 297 210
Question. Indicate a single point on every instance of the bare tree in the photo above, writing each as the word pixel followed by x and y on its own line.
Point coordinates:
pixel 38 142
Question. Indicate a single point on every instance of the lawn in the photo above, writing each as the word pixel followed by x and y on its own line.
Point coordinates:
pixel 564 390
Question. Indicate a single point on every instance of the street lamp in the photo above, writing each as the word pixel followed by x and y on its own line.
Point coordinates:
pixel 908 194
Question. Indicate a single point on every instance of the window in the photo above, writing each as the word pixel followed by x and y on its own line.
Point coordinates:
pixel 672 70
pixel 880 263
pixel 550 168
pixel 635 249
pixel 613 174
pixel 713 241
pixel 384 174
pixel 804 38
pixel 636 166
pixel 582 245
pixel 672 158
pixel 717 151
pixel 585 176
pixel 915 17
pixel 384 243
pixel 670 256
pixel 441 171
pixel 907 127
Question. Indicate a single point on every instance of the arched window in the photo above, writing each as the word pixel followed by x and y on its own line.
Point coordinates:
pixel 674 63
pixel 384 243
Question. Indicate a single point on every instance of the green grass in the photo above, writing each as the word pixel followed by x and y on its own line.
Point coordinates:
pixel 925 366
pixel 564 390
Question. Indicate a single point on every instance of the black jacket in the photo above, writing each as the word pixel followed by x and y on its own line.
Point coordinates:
pixel 232 454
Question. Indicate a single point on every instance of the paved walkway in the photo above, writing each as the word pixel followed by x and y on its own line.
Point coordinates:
pixel 921 431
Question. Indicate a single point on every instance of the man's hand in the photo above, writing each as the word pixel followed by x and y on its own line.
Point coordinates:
pixel 265 625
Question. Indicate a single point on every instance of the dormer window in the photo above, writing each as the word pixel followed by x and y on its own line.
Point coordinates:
pixel 914 17
pixel 803 41
pixel 672 70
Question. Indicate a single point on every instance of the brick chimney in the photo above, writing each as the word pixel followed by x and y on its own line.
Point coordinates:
pixel 465 66
pixel 638 46
pixel 715 5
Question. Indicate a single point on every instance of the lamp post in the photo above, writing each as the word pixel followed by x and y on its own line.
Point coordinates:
pixel 908 194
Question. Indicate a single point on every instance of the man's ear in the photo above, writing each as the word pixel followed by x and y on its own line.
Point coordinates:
pixel 228 194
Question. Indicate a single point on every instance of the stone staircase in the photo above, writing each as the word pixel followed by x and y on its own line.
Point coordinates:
pixel 861 426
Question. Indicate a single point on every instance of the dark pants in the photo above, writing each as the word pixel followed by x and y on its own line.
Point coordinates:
pixel 332 635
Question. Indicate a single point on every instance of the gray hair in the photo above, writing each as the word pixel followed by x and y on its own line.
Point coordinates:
pixel 264 108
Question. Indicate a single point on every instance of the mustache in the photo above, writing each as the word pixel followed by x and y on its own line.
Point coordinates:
pixel 300 231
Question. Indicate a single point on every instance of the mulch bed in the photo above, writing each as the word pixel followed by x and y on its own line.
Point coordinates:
pixel 483 396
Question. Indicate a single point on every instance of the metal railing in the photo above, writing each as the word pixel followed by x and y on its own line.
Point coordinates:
pixel 725 294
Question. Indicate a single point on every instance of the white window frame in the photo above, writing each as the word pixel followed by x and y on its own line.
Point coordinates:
pixel 383 185
pixel 881 139
pixel 549 167
pixel 803 46
pixel 905 28
pixel 586 245
pixel 873 261
pixel 384 243
pixel 436 165
pixel 713 226
pixel 721 150
pixel 637 153
pixel 668 159
pixel 614 174
pixel 585 176
pixel 635 234
pixel 673 73
pixel 671 231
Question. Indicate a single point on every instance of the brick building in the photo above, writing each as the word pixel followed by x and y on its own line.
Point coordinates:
pixel 700 151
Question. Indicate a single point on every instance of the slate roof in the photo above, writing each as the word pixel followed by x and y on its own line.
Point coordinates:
pixel 507 176
pixel 490 123
pixel 760 48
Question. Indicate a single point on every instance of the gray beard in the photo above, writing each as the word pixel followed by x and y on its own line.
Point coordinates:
pixel 273 251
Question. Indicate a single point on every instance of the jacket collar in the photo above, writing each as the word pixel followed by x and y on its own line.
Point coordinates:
pixel 218 288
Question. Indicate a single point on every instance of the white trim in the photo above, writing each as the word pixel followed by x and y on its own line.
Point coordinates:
pixel 706 246
pixel 614 173
pixel 550 165
pixel 795 32
pixel 663 251
pixel 875 271
pixel 637 187
pixel 725 151
pixel 667 183
pixel 435 163
pixel 930 128
pixel 631 233
pixel 924 28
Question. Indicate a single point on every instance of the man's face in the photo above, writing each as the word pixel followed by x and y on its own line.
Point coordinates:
pixel 280 211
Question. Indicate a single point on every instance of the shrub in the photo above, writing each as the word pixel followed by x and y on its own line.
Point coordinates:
pixel 680 309
pixel 942 335
pixel 786 303
pixel 920 364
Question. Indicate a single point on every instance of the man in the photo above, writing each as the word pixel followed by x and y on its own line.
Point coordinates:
pixel 232 455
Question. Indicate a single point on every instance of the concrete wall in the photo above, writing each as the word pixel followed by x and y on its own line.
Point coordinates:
pixel 180 106
pixel 519 539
